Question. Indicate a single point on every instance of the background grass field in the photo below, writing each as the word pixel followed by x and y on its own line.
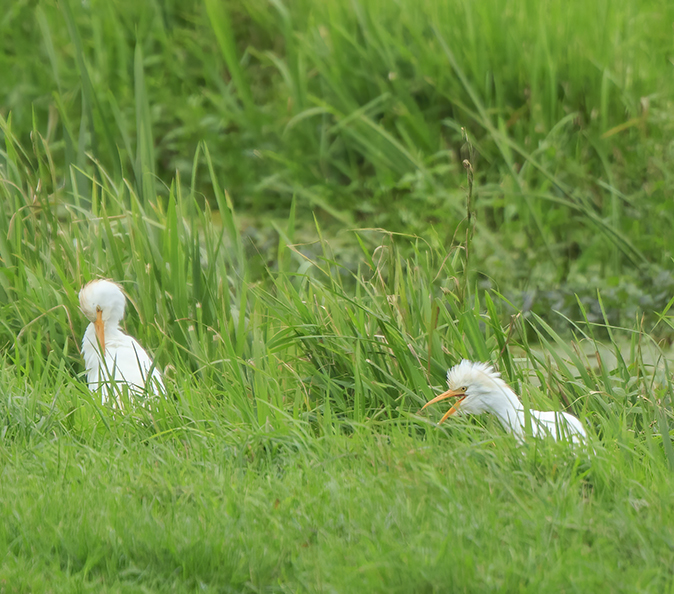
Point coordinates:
pixel 280 190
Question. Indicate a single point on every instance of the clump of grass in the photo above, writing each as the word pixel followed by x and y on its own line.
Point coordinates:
pixel 346 109
pixel 290 446
pixel 311 339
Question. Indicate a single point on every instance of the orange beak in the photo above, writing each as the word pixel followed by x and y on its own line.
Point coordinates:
pixel 100 332
pixel 443 396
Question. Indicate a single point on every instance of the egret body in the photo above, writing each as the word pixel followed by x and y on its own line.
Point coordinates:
pixel 480 389
pixel 112 358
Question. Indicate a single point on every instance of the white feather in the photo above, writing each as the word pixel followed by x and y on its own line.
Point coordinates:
pixel 125 363
pixel 486 392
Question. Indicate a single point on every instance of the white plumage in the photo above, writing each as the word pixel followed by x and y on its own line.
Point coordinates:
pixel 480 389
pixel 124 361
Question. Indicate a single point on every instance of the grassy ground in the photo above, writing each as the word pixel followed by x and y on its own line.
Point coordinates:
pixel 289 454
pixel 252 511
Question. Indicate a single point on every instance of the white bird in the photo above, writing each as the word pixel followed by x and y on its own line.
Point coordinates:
pixel 480 389
pixel 113 359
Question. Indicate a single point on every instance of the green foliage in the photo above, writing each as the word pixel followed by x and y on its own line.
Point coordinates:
pixel 290 445
pixel 349 107
pixel 143 142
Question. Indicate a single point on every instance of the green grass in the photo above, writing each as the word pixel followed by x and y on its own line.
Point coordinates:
pixel 236 188
pixel 348 107
pixel 289 454
pixel 259 511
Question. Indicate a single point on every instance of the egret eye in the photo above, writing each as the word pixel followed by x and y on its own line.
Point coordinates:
pixel 490 394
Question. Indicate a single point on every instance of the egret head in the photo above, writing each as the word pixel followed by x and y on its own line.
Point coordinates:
pixel 477 385
pixel 102 302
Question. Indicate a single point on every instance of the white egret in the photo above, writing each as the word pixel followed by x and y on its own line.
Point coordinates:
pixel 480 389
pixel 112 358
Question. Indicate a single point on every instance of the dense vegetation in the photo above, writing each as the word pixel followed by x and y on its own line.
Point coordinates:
pixel 234 166
pixel 350 107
